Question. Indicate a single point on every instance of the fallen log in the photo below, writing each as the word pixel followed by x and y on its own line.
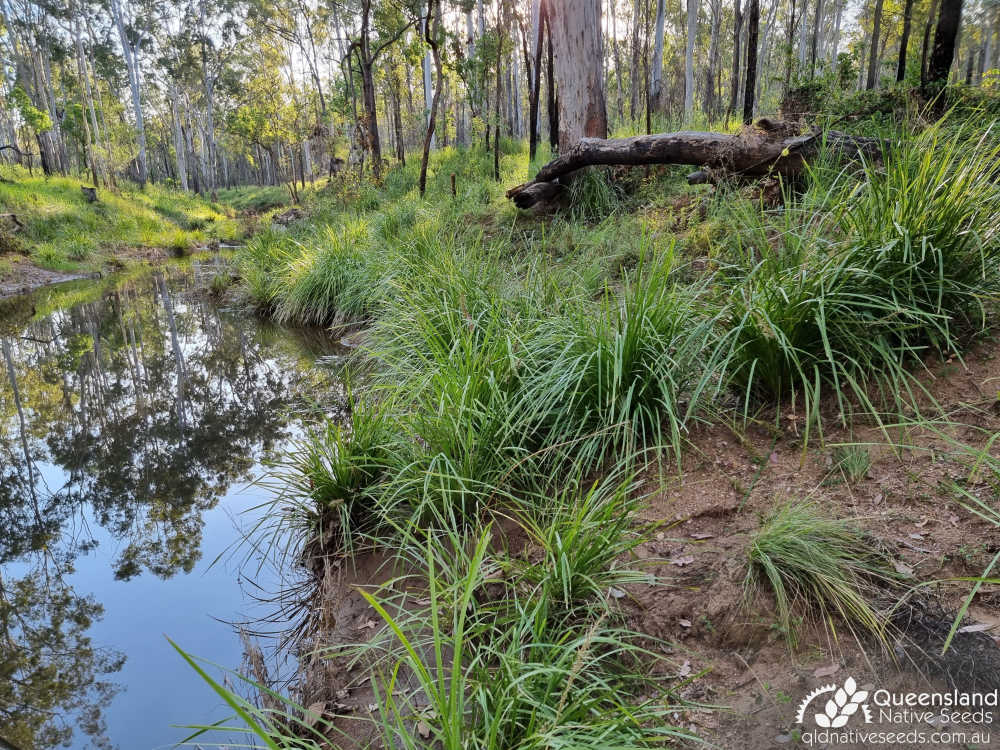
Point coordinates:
pixel 766 149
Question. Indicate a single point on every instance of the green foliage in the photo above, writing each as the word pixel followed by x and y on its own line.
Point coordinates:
pixel 633 372
pixel 814 564
pixel 62 230
pixel 896 265
pixel 37 119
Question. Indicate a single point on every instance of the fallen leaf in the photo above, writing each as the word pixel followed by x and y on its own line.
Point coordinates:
pixel 372 708
pixel 616 593
pixel 923 522
pixel 829 669
pixel 773 458
pixel 953 519
pixel 918 537
pixel 684 623
pixel 423 730
pixel 702 535
pixel 682 561
pixel 314 712
pixel 783 739
pixel 685 669
pixel 368 624
pixel 977 628
pixel 903 569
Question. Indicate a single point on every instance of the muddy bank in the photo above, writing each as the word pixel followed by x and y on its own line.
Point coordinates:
pixel 23 276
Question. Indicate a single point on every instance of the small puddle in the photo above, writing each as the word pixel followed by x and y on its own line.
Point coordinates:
pixel 134 419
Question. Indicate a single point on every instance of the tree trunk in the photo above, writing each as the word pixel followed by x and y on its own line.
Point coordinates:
pixel 817 21
pixel 873 60
pixel 803 34
pixel 536 78
pixel 751 153
pixel 904 40
pixel 179 146
pixel 753 28
pixel 575 27
pixel 943 54
pixel 713 58
pixel 656 79
pixel 835 42
pixel 132 66
pixel 925 47
pixel 734 94
pixel 432 31
pixel 692 31
pixel 428 88
pixel 552 100
pixel 616 50
pixel 634 70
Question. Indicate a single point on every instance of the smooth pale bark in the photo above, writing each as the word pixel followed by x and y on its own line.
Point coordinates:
pixel 873 59
pixel 835 41
pixel 692 31
pixel 208 91
pixel 616 50
pixel 180 159
pixel 634 68
pixel 88 136
pixel 713 58
pixel 515 93
pixel 943 53
pixel 656 74
pixel 991 29
pixel 129 52
pixel 814 49
pixel 575 27
pixel 753 28
pixel 428 87
pixel 803 34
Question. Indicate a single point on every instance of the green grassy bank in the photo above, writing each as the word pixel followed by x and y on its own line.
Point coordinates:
pixel 60 230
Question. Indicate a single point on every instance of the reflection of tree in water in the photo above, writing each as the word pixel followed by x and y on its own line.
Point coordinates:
pixel 49 669
pixel 136 412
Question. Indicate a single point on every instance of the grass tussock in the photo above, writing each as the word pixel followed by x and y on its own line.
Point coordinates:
pixel 815 564
pixel 509 362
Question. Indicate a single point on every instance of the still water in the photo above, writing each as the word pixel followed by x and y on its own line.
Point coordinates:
pixel 134 419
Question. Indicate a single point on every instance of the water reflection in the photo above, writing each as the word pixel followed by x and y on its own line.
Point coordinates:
pixel 124 419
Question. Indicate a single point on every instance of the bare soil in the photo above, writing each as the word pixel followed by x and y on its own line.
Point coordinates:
pixel 20 276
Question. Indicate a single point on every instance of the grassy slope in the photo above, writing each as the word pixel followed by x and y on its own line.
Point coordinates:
pixel 64 232
pixel 512 355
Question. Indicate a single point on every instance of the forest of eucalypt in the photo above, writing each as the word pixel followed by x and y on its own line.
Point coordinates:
pixel 644 465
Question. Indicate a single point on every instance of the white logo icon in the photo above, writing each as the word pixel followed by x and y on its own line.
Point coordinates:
pixel 839 708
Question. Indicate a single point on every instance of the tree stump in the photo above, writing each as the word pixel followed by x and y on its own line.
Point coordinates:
pixel 90 193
